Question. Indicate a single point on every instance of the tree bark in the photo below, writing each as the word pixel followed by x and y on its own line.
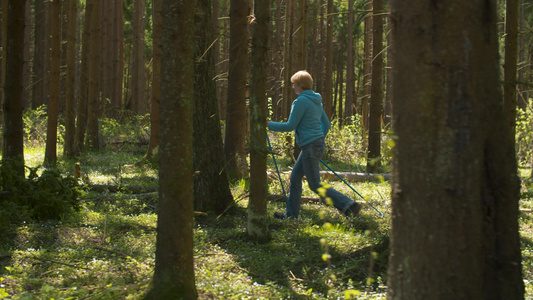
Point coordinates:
pixel 70 101
pixel 137 64
pixel 211 185
pixel 350 68
pixel 328 84
pixel 257 207
pixel 50 154
pixel 39 55
pixel 236 117
pixel 93 93
pixel 455 211
pixel 174 267
pixel 376 93
pixel 152 154
pixel 13 147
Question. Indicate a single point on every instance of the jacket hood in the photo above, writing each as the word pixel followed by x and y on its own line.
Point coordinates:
pixel 316 98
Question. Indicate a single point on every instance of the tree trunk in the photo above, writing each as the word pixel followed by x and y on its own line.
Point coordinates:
pixel 367 72
pixel 510 66
pixel 50 154
pixel 287 58
pixel 350 67
pixel 93 94
pixel 301 54
pixel 174 266
pixel 118 58
pixel 236 117
pixel 376 94
pixel 455 211
pixel 257 207
pixel 152 154
pixel 13 147
pixel 328 84
pixel 137 64
pixel 81 112
pixel 70 101
pixel 211 185
pixel 39 55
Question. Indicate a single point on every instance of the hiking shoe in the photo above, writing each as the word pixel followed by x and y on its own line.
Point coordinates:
pixel 353 210
pixel 279 215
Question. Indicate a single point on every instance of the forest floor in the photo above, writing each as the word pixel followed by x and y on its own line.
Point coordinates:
pixel 106 251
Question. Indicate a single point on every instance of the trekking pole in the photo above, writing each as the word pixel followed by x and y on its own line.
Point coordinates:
pixel 277 170
pixel 350 186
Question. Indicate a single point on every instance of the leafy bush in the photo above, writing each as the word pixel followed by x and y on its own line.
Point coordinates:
pixel 46 197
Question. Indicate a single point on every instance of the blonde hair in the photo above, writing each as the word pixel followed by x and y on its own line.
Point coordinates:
pixel 302 79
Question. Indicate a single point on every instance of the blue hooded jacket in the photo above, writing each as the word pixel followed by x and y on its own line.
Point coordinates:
pixel 307 119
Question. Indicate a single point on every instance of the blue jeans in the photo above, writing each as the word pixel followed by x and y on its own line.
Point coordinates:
pixel 308 164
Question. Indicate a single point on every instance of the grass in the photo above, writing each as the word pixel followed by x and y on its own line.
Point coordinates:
pixel 106 251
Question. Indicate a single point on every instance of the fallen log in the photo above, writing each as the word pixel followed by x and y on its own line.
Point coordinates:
pixel 119 188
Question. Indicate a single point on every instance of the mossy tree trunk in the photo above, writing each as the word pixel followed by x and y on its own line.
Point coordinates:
pixel 174 266
pixel 257 207
pixel 455 188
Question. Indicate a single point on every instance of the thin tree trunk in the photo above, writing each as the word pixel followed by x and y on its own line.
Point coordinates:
pixel 137 75
pixel 350 68
pixel 301 54
pixel 376 96
pixel 50 154
pixel 81 112
pixel 287 58
pixel 152 153
pixel 38 94
pixel 93 94
pixel 70 105
pixel 328 84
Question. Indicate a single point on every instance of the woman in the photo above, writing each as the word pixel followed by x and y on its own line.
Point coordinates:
pixel 310 125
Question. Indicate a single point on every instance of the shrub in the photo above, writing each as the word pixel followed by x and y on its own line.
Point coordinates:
pixel 46 197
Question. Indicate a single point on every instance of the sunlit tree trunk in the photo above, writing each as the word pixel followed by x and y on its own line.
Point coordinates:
pixel 367 72
pixel 236 116
pixel 174 266
pixel 455 189
pixel 118 58
pixel 211 185
pixel 13 147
